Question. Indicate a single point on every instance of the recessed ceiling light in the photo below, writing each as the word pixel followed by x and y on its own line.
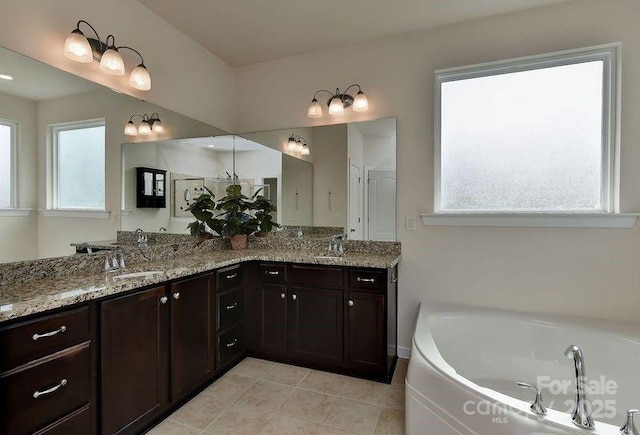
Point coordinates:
pixel 212 146
pixel 6 77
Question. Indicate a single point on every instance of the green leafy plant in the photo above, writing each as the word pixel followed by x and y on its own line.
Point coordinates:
pixel 263 208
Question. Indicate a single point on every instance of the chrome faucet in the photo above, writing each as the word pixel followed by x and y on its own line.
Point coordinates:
pixel 114 261
pixel 581 414
pixel 629 427
pixel 142 237
pixel 162 230
pixel 335 244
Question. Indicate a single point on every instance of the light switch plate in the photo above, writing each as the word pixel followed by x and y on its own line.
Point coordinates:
pixel 410 223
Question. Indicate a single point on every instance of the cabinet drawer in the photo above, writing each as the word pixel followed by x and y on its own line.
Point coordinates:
pixel 367 279
pixel 25 342
pixel 271 273
pixel 76 423
pixel 230 345
pixel 37 396
pixel 316 276
pixel 230 308
pixel 229 277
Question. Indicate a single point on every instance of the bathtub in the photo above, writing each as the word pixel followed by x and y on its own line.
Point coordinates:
pixel 465 362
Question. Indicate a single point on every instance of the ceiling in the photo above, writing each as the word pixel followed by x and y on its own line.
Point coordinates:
pixel 251 31
pixel 217 143
pixel 37 81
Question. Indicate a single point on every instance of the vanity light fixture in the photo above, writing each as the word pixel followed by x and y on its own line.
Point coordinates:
pixel 6 77
pixel 148 125
pixel 79 48
pixel 339 101
pixel 298 144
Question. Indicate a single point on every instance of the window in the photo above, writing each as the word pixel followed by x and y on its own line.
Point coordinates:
pixel 8 131
pixel 79 165
pixel 532 135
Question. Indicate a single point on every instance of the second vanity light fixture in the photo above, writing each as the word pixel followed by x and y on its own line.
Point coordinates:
pixel 339 101
pixel 148 125
pixel 81 49
pixel 298 144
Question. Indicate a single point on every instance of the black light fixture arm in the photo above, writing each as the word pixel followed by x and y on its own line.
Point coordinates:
pixel 134 50
pixel 351 86
pixel 92 28
pixel 322 90
pixel 134 115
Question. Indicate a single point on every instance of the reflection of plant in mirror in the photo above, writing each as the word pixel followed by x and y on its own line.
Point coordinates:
pixel 263 208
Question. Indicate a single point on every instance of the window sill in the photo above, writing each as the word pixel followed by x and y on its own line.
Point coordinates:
pixel 85 214
pixel 15 212
pixel 541 220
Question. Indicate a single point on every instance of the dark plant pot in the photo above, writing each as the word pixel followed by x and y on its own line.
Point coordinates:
pixel 261 234
pixel 239 241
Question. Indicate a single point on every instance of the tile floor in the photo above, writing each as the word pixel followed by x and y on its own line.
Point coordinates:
pixel 263 397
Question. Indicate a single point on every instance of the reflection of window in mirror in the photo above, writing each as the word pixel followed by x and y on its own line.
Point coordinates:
pixel 8 131
pixel 78 151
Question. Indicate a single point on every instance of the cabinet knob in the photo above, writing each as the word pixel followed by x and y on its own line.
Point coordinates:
pixel 282 296
pixel 294 297
pixel 176 295
pixel 163 300
pixel 350 303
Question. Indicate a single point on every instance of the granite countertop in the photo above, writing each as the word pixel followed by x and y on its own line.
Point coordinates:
pixel 40 295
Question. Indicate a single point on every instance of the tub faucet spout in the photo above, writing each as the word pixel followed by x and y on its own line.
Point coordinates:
pixel 581 415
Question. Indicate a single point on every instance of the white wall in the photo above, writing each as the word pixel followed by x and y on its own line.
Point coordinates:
pixel 584 272
pixel 186 77
pixel 297 178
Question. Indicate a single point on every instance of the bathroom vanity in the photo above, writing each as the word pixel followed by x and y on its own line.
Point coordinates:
pixel 121 354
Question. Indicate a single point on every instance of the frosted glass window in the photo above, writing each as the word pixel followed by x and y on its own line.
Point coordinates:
pixel 80 159
pixel 525 141
pixel 7 135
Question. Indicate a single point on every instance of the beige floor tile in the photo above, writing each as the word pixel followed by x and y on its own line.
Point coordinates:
pixel 286 374
pixel 393 397
pixel 391 422
pixel 252 367
pixel 308 405
pixel 267 395
pixel 364 391
pixel 230 387
pixel 240 419
pixel 171 428
pixel 324 382
pixel 353 416
pixel 285 425
pixel 330 430
pixel 200 411
pixel 401 371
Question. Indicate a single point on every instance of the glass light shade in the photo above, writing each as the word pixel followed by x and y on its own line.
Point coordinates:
pixel 77 48
pixel 158 127
pixel 335 106
pixel 140 78
pixel 305 150
pixel 112 62
pixel 360 103
pixel 292 145
pixel 145 128
pixel 299 147
pixel 315 109
pixel 130 129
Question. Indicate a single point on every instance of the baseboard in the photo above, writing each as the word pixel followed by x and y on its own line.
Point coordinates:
pixel 404 352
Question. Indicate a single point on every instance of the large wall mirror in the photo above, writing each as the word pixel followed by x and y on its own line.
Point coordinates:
pixel 53 190
pixel 346 183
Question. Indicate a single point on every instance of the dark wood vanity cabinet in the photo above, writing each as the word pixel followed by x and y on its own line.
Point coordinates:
pixel 230 333
pixel 47 377
pixel 331 317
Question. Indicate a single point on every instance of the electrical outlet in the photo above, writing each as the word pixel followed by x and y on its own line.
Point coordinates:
pixel 290 217
pixel 410 223
pixel 337 217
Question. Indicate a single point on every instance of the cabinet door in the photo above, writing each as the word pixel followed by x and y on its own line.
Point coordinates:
pixel 272 328
pixel 192 334
pixel 315 326
pixel 365 332
pixel 134 360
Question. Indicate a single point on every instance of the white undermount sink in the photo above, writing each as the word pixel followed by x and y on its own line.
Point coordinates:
pixel 138 275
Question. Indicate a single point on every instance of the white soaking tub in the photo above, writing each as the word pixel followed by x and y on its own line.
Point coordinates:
pixel 465 362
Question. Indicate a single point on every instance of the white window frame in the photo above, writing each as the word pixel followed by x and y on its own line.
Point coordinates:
pixel 53 208
pixel 13 165
pixel 610 55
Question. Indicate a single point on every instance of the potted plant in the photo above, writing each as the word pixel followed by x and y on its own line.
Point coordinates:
pixel 228 218
pixel 263 208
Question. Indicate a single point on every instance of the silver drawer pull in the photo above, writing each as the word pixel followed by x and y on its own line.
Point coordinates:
pixel 294 297
pixel 232 306
pixel 365 279
pixel 350 303
pixel 50 390
pixel 233 343
pixel 273 272
pixel 282 296
pixel 176 295
pixel 232 276
pixel 49 334
pixel 163 300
